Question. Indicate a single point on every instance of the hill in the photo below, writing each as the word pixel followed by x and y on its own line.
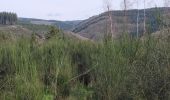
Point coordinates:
pixel 95 27
pixel 15 30
pixel 26 30
pixel 65 25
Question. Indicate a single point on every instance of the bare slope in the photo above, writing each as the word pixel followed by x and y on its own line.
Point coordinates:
pixel 96 26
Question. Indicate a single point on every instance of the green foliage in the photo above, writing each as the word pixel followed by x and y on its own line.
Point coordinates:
pixel 35 28
pixel 5 36
pixel 63 69
pixel 53 32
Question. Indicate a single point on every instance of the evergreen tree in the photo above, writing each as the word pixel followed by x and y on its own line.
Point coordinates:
pixel 8 18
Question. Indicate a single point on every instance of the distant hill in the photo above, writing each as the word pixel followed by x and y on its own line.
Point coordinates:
pixel 96 26
pixel 65 25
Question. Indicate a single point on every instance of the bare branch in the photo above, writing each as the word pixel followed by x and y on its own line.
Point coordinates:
pixel 107 4
pixel 126 4
pixel 137 26
pixel 144 21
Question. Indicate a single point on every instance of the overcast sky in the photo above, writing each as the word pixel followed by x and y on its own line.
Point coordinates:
pixel 63 9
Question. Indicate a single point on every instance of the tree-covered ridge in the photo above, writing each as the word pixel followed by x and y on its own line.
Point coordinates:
pixel 8 18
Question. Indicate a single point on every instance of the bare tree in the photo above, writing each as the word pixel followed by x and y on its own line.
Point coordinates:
pixel 126 5
pixel 166 4
pixel 137 26
pixel 125 14
pixel 148 3
pixel 107 4
pixel 144 21
pixel 144 14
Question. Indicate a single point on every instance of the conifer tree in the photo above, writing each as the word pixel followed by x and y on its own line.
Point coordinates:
pixel 8 18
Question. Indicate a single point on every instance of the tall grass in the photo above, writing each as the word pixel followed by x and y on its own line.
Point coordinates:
pixel 124 69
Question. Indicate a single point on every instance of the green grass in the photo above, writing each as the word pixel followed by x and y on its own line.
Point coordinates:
pixel 124 69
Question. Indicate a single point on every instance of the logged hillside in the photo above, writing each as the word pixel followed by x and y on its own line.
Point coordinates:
pixel 96 26
pixel 65 25
pixel 15 30
pixel 27 30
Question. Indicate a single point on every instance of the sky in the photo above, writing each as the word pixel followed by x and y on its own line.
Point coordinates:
pixel 65 9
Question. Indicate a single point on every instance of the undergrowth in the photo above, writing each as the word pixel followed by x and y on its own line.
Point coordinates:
pixel 65 69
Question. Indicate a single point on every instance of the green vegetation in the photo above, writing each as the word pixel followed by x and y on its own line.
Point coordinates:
pixel 8 18
pixel 41 29
pixel 65 69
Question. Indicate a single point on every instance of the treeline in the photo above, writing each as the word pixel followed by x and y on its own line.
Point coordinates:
pixel 8 18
